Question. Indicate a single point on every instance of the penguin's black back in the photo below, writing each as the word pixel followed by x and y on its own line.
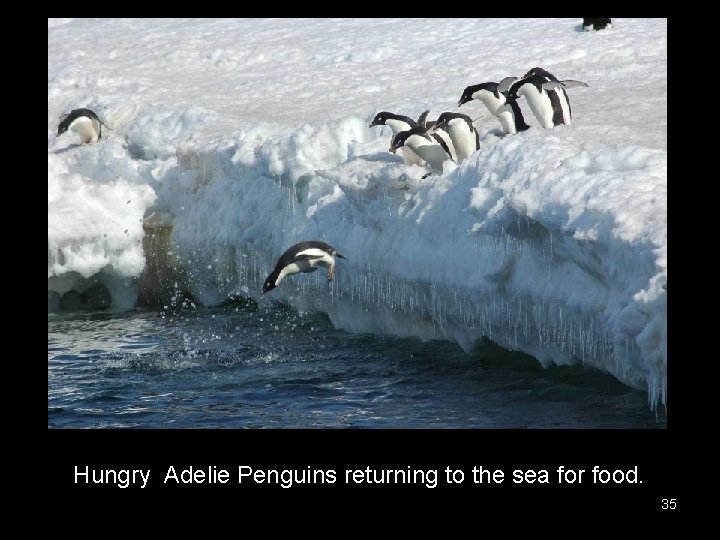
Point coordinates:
pixel 489 86
pixel 385 115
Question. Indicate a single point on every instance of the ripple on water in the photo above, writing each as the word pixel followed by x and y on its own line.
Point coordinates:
pixel 272 367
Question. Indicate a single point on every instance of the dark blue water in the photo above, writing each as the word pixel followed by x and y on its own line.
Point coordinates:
pixel 268 367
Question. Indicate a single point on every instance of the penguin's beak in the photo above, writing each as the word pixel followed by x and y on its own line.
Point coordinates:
pixel 338 254
pixel 460 102
pixel 391 149
pixel 372 124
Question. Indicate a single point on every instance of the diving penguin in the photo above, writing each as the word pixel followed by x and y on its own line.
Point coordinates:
pixel 302 257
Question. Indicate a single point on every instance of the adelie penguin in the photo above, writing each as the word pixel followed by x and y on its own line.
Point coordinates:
pixel 465 138
pixel 303 257
pixel 494 95
pixel 546 96
pixel 434 130
pixel 590 25
pixel 84 122
pixel 430 147
pixel 398 123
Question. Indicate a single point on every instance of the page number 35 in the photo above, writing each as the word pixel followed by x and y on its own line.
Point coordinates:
pixel 669 504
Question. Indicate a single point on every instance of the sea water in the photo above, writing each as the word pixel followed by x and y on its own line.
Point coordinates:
pixel 266 366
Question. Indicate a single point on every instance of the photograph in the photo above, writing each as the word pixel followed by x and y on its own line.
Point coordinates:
pixel 357 224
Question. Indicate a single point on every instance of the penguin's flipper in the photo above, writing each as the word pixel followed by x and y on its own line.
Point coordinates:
pixel 553 85
pixel 573 84
pixel 504 85
pixel 422 119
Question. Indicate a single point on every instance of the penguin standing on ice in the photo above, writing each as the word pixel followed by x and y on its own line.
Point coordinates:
pixel 430 147
pixel 597 24
pixel 398 123
pixel 84 122
pixel 494 95
pixel 302 257
pixel 433 129
pixel 464 136
pixel 546 96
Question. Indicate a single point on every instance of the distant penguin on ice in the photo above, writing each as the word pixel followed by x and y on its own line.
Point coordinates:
pixel 84 122
pixel 464 136
pixel 430 147
pixel 546 96
pixel 302 257
pixel 597 24
pixel 398 123
pixel 494 95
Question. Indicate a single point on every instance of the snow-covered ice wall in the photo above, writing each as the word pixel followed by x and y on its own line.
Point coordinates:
pixel 240 137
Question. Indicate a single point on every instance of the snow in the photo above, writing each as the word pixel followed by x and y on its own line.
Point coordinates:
pixel 243 137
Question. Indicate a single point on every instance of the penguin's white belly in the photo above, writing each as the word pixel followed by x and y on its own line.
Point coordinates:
pixel 433 153
pixel 507 121
pixel 87 128
pixel 492 103
pixel 397 125
pixel 540 105
pixel 411 158
pixel 505 117
pixel 463 140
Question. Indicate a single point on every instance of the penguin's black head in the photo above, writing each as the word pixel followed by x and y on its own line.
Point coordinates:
pixel 443 120
pixel 380 119
pixel 512 93
pixel 269 284
pixel 399 140
pixel 538 72
pixel 467 95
